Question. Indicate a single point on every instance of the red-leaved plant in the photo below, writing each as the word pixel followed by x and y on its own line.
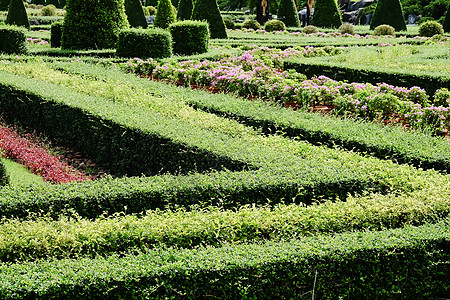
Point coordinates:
pixel 50 167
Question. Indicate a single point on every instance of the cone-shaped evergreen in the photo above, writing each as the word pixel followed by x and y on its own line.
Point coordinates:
pixel 164 14
pixel 388 12
pixel 17 14
pixel 185 9
pixel 447 21
pixel 326 14
pixel 287 13
pixel 4 5
pixel 135 13
pixel 93 24
pixel 209 10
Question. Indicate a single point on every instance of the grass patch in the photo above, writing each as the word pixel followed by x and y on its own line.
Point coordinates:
pixel 20 175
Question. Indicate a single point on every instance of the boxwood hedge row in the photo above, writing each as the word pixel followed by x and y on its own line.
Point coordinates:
pixel 385 142
pixel 411 262
pixel 356 74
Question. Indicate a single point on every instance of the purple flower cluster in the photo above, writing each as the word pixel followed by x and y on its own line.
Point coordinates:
pixel 37 41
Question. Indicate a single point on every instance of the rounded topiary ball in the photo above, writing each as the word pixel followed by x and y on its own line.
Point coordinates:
pixel 310 29
pixel 384 30
pixel 48 10
pixel 274 25
pixel 430 28
pixel 190 37
pixel 347 28
pixel 144 43
pixel 251 24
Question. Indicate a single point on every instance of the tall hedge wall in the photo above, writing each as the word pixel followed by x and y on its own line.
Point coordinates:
pixel 93 24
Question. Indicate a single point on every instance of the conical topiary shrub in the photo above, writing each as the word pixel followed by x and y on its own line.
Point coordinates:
pixel 164 14
pixel 287 13
pixel 93 24
pixel 208 10
pixel 135 13
pixel 17 14
pixel 326 14
pixel 447 21
pixel 388 12
pixel 185 9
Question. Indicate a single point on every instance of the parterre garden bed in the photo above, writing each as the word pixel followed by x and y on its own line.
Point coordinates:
pixel 213 195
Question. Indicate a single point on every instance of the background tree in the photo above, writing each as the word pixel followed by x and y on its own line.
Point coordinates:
pixel 288 14
pixel 135 13
pixel 93 24
pixel 185 10
pixel 4 5
pixel 164 14
pixel 389 12
pixel 153 3
pixel 209 11
pixel 326 14
pixel 17 14
pixel 446 24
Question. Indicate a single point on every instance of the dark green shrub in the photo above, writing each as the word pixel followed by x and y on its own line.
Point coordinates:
pixel 274 25
pixel 164 14
pixel 135 13
pixel 430 28
pixel 4 177
pixel 287 13
pixel 92 24
pixel 55 34
pixel 347 28
pixel 446 24
pixel 190 37
pixel 229 23
pixel 14 40
pixel 48 10
pixel 4 5
pixel 185 9
pixel 144 43
pixel 209 10
pixel 251 24
pixel 310 29
pixel 388 12
pixel 326 14
pixel 153 3
pixel 17 14
pixel 424 19
pixel 384 30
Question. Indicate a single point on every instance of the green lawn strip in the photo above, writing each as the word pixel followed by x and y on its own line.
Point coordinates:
pixel 402 65
pixel 412 261
pixel 20 175
pixel 74 236
pixel 413 147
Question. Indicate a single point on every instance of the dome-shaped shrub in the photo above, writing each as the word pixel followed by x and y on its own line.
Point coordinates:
pixel 274 25
pixel 144 43
pixel 347 28
pixel 48 10
pixel 190 37
pixel 384 29
pixel 251 24
pixel 430 28
pixel 310 29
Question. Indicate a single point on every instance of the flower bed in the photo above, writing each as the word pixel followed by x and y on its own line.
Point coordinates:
pixel 50 167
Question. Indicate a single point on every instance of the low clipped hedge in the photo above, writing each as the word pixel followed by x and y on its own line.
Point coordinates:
pixel 144 43
pixel 14 40
pixel 55 34
pixel 190 37
pixel 428 83
pixel 412 262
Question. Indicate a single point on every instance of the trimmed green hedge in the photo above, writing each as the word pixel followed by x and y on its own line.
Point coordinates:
pixel 55 34
pixel 412 262
pixel 190 37
pixel 14 40
pixel 144 43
